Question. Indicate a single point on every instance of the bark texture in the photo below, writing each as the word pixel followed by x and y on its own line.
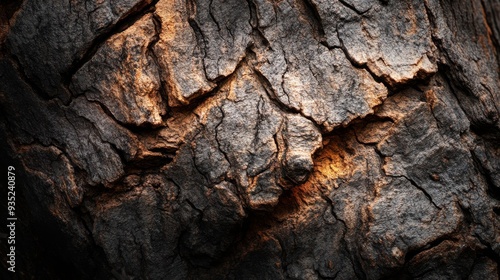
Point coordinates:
pixel 257 139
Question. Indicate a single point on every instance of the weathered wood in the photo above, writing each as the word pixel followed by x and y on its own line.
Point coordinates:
pixel 258 139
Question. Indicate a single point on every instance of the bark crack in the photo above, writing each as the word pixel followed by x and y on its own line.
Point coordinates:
pixel 429 197
pixel 135 14
pixel 162 72
pixel 358 65
pixel 351 7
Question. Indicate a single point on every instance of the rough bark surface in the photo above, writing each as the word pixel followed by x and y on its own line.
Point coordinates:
pixel 257 139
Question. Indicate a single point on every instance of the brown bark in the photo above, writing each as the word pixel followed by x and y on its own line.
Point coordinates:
pixel 258 139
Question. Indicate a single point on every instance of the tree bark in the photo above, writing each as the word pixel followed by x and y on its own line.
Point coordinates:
pixel 258 139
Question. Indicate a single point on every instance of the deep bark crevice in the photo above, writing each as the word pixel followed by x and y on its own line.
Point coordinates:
pixel 122 24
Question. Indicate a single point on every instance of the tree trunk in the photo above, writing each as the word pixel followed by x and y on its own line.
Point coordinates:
pixel 258 139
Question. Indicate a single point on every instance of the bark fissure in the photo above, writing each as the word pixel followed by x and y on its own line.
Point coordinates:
pixel 126 21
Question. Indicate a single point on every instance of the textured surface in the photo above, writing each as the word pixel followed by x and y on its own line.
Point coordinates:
pixel 259 139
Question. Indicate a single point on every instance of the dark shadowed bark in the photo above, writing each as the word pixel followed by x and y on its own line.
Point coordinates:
pixel 257 139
